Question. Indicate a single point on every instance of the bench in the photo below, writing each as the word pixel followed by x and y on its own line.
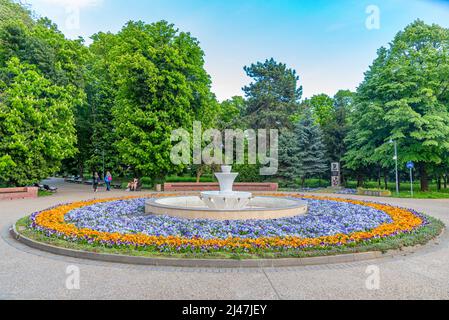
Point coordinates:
pixel 18 193
pixel 185 186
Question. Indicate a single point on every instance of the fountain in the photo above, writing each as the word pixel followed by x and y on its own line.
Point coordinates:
pixel 226 198
pixel 226 204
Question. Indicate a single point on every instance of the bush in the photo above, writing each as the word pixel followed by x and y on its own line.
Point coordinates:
pixel 146 181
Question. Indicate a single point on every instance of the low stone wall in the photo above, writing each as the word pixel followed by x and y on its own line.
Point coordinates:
pixel 373 193
pixel 18 193
pixel 185 186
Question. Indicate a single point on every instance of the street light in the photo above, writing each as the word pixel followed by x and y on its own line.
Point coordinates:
pixel 396 160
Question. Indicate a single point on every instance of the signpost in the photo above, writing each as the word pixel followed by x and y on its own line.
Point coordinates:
pixel 411 166
pixel 335 168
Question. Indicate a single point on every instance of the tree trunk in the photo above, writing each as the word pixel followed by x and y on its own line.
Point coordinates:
pixel 445 181
pixel 423 177
pixel 379 178
pixel 81 170
pixel 199 173
pixel 303 182
pixel 359 181
pixel 386 179
pixel 439 183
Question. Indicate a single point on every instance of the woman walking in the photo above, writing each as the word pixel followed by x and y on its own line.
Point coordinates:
pixel 95 181
pixel 108 181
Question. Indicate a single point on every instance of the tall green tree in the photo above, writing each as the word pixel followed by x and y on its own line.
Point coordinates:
pixel 43 51
pixel 404 97
pixel 273 97
pixel 161 86
pixel 302 151
pixel 335 129
pixel 36 124
pixel 231 112
pixel 322 108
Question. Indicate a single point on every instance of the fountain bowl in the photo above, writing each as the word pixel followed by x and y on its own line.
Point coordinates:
pixel 220 200
pixel 257 208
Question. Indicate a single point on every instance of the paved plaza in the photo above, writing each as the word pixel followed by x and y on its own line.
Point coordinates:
pixel 26 273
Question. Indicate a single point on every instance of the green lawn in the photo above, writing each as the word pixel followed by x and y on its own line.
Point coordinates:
pixel 42 193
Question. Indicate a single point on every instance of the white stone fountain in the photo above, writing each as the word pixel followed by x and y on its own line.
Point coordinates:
pixel 226 198
pixel 226 204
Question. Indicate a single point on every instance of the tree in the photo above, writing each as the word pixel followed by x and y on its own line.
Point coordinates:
pixel 336 128
pixel 11 11
pixel 322 108
pixel 404 97
pixel 302 152
pixel 231 113
pixel 36 125
pixel 273 97
pixel 161 86
pixel 61 61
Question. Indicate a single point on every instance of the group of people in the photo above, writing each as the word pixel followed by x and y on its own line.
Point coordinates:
pixel 107 181
pixel 132 185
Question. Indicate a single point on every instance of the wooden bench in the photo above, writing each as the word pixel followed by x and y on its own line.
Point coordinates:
pixel 185 186
pixel 18 193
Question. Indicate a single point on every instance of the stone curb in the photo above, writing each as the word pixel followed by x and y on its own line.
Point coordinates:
pixel 215 263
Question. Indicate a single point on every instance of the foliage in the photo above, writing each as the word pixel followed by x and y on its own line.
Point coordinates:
pixel 161 86
pixel 302 152
pixel 36 124
pixel 322 108
pixel 404 97
pixel 231 113
pixel 336 128
pixel 60 61
pixel 273 96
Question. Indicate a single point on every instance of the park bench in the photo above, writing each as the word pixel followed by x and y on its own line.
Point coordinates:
pixel 45 187
pixel 18 193
pixel 206 186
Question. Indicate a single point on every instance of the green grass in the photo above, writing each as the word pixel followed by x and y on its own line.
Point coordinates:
pixel 43 193
pixel 373 185
pixel 420 236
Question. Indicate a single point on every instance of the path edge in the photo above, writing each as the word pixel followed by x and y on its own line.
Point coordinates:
pixel 219 263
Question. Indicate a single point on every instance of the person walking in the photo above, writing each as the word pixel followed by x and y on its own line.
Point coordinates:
pixel 108 181
pixel 95 181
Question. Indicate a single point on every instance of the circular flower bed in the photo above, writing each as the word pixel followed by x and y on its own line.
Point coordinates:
pixel 121 223
pixel 325 218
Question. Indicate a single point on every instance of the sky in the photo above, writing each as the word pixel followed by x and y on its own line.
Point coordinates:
pixel 330 43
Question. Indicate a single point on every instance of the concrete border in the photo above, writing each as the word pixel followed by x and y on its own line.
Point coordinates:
pixel 217 263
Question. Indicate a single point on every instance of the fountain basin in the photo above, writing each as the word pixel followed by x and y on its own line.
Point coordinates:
pixel 258 208
pixel 226 200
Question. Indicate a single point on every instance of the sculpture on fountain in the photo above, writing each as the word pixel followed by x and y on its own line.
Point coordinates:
pixel 226 198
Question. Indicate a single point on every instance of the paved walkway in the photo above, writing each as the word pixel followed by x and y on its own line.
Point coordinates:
pixel 31 274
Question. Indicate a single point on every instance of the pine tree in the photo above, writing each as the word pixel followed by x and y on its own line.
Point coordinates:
pixel 302 151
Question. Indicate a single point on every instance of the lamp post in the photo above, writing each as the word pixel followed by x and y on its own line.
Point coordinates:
pixel 397 166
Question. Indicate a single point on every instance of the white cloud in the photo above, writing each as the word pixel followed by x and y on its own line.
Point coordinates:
pixel 73 3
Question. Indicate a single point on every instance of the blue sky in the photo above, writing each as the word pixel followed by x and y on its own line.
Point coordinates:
pixel 326 41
